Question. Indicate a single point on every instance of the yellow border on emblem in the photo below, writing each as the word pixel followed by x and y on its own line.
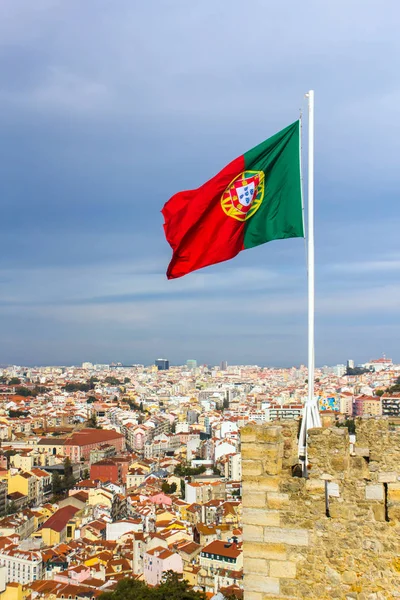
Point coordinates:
pixel 226 201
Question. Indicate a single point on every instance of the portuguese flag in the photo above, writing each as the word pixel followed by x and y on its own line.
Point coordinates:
pixel 253 200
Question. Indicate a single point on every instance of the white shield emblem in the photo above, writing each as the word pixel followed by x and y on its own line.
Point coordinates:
pixel 246 193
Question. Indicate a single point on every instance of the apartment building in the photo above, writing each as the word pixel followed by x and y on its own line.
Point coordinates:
pixel 22 566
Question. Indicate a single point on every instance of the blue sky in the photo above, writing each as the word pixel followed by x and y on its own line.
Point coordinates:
pixel 107 108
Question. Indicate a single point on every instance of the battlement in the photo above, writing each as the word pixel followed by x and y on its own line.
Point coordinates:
pixel 335 534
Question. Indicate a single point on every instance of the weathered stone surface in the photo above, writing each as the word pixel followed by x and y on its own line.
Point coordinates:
pixel 255 499
pixel 262 583
pixel 390 477
pixel 253 533
pixel 256 565
pixel 379 512
pixel 276 500
pixel 254 596
pixel 264 550
pixel 282 568
pixel 292 537
pixel 252 467
pixel 354 552
pixel 374 492
pixel 262 483
pixel 259 516
pixel 394 492
pixel 315 485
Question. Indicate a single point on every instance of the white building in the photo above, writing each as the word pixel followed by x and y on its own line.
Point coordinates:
pixel 233 469
pixel 114 531
pixel 22 566
pixel 339 370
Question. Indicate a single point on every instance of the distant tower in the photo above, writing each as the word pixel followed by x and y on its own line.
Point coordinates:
pixel 224 365
pixel 162 364
pixel 191 364
pixel 350 364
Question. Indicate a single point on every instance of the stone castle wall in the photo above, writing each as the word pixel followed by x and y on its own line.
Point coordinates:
pixel 335 534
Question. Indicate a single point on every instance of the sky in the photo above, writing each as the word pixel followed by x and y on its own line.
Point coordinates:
pixel 108 108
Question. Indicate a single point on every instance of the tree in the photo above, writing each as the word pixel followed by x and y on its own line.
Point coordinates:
pixel 112 380
pixel 90 400
pixel 86 474
pixel 68 479
pixel 183 488
pixel 92 422
pixel 356 371
pixel 23 391
pixel 165 487
pixel 186 471
pixel 168 488
pixel 14 381
pixel 172 587
pixel 17 413
pixel 141 407
pixel 127 380
pixel 379 392
pixel 77 387
pixel 56 483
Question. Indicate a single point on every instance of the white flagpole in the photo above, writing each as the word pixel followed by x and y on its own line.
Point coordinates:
pixel 311 278
pixel 311 413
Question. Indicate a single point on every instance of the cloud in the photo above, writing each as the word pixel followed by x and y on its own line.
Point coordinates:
pixel 372 266
pixel 106 109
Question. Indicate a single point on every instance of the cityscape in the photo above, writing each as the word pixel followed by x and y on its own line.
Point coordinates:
pixel 111 471
pixel 199 307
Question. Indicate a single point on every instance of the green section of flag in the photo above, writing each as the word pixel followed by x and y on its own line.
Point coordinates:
pixel 280 214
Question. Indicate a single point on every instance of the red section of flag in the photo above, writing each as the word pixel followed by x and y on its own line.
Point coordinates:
pixel 196 227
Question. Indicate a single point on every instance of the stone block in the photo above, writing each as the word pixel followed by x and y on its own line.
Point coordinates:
pixel 359 451
pixel 248 434
pixel 339 510
pixel 276 500
pixel 374 491
pixel 359 467
pixel 333 489
pixel 315 485
pixel 253 595
pixel 253 451
pixel 327 477
pixel 254 499
pixel 394 513
pixel 260 583
pixel 263 550
pixel 273 466
pixel 379 512
pixel 267 483
pixel 253 533
pixel 255 565
pixel 282 568
pixel 394 492
pixel 269 434
pixel 292 537
pixel 261 516
pixel 349 577
pixel 339 463
pixel 390 477
pixel 252 467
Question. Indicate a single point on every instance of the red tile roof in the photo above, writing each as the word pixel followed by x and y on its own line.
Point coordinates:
pixel 220 548
pixel 59 520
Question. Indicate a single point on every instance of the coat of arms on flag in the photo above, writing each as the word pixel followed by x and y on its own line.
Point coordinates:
pixel 243 195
